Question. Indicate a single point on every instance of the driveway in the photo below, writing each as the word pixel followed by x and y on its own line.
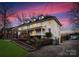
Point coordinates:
pixel 67 48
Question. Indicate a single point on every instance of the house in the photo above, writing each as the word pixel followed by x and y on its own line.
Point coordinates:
pixel 41 25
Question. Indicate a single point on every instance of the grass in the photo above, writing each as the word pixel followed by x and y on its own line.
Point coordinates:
pixel 11 49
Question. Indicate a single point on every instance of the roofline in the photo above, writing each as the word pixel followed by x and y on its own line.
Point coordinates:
pixel 54 18
pixel 45 19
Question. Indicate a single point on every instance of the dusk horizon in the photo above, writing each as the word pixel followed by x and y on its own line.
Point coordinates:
pixel 29 9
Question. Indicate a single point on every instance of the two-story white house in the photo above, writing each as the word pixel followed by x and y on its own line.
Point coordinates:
pixel 40 25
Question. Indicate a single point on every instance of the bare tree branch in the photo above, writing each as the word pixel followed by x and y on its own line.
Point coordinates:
pixel 74 13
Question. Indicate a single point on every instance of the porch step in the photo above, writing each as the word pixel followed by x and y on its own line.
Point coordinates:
pixel 26 46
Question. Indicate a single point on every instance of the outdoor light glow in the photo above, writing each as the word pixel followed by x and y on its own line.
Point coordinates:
pixel 19 29
pixel 28 21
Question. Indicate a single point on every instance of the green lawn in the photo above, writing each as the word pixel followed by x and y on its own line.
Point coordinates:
pixel 11 49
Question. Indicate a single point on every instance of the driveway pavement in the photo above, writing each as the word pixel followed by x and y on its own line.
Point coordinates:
pixel 67 48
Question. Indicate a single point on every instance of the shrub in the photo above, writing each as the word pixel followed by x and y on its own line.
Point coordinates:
pixel 48 34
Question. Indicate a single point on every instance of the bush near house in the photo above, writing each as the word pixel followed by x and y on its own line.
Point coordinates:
pixel 48 34
pixel 35 41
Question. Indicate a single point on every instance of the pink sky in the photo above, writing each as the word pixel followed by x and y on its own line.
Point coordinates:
pixel 48 8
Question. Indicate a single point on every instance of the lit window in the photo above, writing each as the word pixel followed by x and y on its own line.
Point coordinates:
pixel 28 21
pixel 49 21
pixel 34 19
pixel 19 28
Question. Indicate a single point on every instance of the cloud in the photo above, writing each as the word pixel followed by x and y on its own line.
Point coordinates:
pixel 45 8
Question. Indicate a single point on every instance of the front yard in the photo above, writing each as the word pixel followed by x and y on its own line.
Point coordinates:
pixel 11 49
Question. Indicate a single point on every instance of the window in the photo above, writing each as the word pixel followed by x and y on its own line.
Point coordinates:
pixel 38 30
pixel 49 29
pixel 43 29
pixel 49 22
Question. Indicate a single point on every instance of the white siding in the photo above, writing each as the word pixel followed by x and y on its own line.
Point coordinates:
pixel 52 24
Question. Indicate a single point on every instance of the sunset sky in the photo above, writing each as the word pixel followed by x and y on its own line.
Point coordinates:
pixel 60 10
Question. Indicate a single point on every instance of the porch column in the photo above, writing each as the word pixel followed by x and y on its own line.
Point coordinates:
pixel 41 33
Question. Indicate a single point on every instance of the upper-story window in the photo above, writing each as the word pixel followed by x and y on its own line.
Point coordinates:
pixel 41 17
pixel 49 29
pixel 19 29
pixel 49 22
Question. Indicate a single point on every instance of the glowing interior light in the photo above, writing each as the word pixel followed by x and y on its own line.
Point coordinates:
pixel 41 17
pixel 28 21
pixel 34 19
pixel 19 28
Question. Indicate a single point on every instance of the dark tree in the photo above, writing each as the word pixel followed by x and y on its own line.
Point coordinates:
pixel 74 13
pixel 5 12
pixel 23 18
pixel 48 34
